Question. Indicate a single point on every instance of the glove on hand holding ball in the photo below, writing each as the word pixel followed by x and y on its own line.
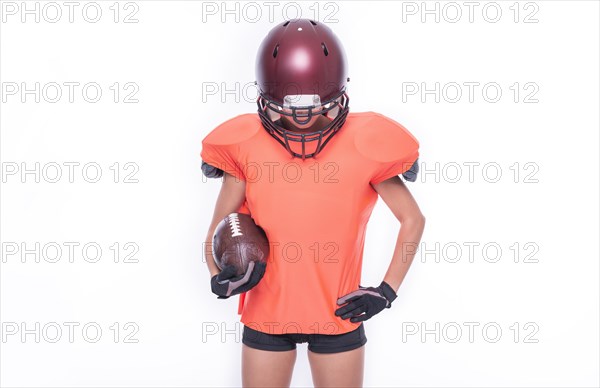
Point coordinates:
pixel 240 249
pixel 226 283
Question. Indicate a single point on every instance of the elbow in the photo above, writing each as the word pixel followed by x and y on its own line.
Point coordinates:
pixel 420 220
pixel 416 220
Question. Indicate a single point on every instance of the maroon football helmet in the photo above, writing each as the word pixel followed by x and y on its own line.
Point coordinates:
pixel 301 72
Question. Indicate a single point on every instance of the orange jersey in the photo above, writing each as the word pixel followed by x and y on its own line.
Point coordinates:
pixel 314 212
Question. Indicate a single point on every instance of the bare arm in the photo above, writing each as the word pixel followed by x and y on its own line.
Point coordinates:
pixel 412 222
pixel 231 197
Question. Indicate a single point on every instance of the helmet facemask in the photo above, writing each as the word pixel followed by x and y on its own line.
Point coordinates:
pixel 301 109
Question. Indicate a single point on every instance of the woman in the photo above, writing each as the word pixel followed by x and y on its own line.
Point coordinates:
pixel 312 191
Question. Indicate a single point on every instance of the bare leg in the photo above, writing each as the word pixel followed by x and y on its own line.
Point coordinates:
pixel 263 368
pixel 344 369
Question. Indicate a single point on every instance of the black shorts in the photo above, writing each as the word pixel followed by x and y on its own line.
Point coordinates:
pixel 318 343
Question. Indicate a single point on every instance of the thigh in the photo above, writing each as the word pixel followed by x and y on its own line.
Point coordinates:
pixel 267 360
pixel 343 369
pixel 338 360
pixel 267 368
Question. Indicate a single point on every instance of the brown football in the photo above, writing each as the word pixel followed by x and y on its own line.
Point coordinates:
pixel 238 241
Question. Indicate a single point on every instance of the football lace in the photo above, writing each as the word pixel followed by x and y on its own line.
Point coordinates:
pixel 234 223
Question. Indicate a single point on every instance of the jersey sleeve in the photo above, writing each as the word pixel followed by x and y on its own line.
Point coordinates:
pixel 390 148
pixel 221 151
pixel 391 169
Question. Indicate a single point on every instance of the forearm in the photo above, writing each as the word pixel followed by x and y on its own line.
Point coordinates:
pixel 210 261
pixel 407 243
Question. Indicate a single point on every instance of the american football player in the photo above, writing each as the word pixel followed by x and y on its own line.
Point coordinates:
pixel 309 172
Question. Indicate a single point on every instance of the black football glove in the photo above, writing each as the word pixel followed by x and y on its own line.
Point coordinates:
pixel 367 300
pixel 226 284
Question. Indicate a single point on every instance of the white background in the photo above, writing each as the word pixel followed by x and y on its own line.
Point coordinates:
pixel 547 310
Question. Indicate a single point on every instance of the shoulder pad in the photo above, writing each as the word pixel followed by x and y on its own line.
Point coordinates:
pixel 411 174
pixel 234 131
pixel 211 171
pixel 221 146
pixel 385 141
